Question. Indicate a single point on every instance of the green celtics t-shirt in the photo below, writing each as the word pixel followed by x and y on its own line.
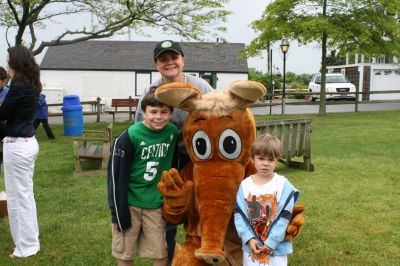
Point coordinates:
pixel 153 152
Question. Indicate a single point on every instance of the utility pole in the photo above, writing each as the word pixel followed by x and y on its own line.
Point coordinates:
pixel 270 90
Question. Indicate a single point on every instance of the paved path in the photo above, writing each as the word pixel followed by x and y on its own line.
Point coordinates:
pixel 91 118
pixel 332 108
pixel 264 110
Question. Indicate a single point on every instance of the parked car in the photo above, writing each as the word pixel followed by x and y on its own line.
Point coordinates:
pixel 335 82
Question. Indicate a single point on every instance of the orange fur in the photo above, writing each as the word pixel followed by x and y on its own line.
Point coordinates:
pixel 203 194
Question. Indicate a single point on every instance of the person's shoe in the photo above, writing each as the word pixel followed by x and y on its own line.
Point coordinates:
pixel 12 256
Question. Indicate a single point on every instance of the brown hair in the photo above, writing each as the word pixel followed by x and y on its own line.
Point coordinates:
pixel 151 100
pixel 3 74
pixel 22 61
pixel 266 145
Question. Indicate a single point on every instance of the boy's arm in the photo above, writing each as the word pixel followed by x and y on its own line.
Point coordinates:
pixel 242 227
pixel 278 231
pixel 118 179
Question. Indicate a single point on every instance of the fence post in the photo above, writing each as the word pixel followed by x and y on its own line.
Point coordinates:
pixel 272 95
pixel 98 107
pixel 357 95
pixel 130 108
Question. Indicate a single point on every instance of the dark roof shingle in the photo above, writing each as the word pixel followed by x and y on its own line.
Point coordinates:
pixel 130 55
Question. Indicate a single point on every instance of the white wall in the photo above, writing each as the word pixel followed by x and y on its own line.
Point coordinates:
pixel 107 84
pixel 225 79
pixel 155 76
pixel 385 77
pixel 91 84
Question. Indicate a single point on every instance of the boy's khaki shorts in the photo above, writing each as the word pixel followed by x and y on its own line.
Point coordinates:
pixel 147 234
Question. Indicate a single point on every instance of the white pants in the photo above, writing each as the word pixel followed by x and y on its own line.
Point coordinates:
pixel 274 261
pixel 19 161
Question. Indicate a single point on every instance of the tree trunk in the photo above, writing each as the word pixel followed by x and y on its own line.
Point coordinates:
pixel 322 98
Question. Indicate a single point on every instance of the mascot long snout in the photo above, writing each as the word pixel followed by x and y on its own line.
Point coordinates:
pixel 218 133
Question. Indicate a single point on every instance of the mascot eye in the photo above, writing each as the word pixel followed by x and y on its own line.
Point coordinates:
pixel 230 144
pixel 201 145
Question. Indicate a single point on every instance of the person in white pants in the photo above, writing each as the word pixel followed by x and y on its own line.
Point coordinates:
pixel 20 149
pixel 19 160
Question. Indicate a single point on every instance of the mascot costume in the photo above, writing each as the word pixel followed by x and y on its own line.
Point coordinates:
pixel 218 134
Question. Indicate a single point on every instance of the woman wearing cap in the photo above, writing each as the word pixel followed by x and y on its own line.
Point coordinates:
pixel 20 149
pixel 169 59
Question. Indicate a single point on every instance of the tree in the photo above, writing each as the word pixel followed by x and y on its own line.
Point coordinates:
pixel 189 19
pixel 304 78
pixel 290 77
pixel 265 79
pixel 334 59
pixel 367 27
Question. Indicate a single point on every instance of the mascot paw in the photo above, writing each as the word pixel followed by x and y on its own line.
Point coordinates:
pixel 296 223
pixel 177 193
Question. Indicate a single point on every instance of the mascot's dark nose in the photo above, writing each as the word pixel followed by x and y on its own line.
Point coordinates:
pixel 209 258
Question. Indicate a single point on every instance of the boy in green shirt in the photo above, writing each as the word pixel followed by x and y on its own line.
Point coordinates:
pixel 139 156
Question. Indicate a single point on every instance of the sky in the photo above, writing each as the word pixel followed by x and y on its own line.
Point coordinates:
pixel 300 60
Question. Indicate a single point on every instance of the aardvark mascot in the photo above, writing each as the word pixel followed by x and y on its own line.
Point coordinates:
pixel 218 134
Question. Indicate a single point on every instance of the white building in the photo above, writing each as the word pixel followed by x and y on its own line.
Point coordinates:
pixel 372 75
pixel 119 69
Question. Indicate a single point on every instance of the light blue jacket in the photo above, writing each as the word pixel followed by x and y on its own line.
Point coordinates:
pixel 275 239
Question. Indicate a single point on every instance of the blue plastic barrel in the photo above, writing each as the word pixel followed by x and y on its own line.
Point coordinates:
pixel 72 115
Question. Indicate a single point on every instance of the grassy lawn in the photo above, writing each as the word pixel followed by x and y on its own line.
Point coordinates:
pixel 352 198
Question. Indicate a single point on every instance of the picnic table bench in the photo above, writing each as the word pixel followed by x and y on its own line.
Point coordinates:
pixel 129 105
pixel 295 137
pixel 94 145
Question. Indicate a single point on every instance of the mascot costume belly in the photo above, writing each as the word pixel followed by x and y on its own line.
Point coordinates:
pixel 218 134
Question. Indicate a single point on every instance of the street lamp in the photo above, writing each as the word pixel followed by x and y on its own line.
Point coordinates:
pixel 284 49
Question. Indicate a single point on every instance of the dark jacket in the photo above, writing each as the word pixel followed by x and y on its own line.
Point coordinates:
pixel 18 109
pixel 119 165
pixel 42 112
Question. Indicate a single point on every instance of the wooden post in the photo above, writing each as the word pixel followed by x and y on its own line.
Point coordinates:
pixel 98 107
pixel 130 108
pixel 357 95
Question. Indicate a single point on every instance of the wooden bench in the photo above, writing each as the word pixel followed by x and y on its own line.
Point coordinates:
pixel 94 145
pixel 129 103
pixel 295 136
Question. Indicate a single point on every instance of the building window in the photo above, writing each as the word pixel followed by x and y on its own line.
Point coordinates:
pixel 387 72
pixel 380 60
pixel 389 59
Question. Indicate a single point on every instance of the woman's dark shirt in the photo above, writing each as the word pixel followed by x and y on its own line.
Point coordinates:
pixel 18 109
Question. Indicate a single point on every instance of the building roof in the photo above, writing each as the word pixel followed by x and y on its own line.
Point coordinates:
pixel 138 56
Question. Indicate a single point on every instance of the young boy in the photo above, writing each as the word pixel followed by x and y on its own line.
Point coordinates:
pixel 3 92
pixel 3 84
pixel 139 156
pixel 265 202
pixel 42 116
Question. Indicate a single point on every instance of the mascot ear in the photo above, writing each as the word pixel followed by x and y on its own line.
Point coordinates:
pixel 178 94
pixel 246 92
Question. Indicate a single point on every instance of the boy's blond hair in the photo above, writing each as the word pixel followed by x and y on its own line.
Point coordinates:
pixel 266 145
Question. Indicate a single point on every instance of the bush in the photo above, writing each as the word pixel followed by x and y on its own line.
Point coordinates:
pixel 297 87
